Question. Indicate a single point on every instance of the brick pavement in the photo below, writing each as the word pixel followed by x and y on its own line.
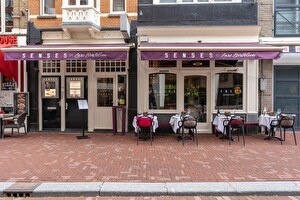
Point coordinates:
pixel 61 157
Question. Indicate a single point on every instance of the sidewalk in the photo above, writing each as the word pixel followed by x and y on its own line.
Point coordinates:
pixel 58 164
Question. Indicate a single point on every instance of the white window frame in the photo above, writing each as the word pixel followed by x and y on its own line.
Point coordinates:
pixel 117 12
pixel 42 9
pixel 195 1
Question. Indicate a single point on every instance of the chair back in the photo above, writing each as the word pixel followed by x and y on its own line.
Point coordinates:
pixel 287 121
pixel 236 122
pixel 189 122
pixel 21 118
pixel 144 122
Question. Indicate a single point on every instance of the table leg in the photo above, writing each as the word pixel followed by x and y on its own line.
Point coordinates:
pixel 1 129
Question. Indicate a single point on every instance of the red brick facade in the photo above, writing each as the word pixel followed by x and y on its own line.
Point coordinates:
pixel 107 20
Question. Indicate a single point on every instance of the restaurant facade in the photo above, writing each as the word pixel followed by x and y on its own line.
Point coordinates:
pixel 200 62
pixel 77 52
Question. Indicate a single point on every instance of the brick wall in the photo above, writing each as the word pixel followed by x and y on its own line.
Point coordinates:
pixel 265 12
pixel 106 21
pixel 267 72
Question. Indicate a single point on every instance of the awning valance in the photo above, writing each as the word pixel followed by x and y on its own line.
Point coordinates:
pixel 68 52
pixel 208 51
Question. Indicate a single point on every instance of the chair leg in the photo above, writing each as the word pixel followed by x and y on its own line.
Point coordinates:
pixel 294 136
pixel 281 135
pixel 243 132
pixel 196 134
pixel 137 137
pixel 182 136
pixel 151 135
pixel 229 136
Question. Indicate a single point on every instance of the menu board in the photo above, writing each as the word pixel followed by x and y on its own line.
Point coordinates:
pixel 21 102
pixel 75 87
pixel 6 99
pixel 50 86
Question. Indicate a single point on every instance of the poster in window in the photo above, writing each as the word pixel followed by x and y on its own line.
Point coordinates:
pixel 50 87
pixel 21 102
pixel 75 87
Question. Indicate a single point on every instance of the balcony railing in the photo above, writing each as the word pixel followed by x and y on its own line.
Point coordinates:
pixel 287 23
pixel 83 15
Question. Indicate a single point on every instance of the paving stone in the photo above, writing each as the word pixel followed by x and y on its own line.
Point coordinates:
pixel 194 188
pixel 133 189
pixel 68 189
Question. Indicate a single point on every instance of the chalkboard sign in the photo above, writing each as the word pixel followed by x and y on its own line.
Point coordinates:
pixel 21 102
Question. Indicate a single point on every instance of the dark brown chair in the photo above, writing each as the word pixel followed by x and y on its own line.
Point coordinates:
pixel 20 123
pixel 234 123
pixel 287 121
pixel 189 123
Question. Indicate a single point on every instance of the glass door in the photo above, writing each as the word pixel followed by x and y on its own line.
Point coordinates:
pixel 195 97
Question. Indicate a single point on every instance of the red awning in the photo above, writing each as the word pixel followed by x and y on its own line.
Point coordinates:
pixel 8 68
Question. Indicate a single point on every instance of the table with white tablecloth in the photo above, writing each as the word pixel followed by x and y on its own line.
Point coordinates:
pixel 219 122
pixel 174 122
pixel 265 120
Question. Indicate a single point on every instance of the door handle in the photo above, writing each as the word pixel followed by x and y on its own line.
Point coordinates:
pixel 66 106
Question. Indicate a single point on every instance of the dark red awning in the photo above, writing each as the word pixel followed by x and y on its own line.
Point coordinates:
pixel 208 51
pixel 8 68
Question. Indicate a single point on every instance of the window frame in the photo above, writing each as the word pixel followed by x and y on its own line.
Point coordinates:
pixel 117 12
pixel 278 8
pixel 42 11
pixel 195 2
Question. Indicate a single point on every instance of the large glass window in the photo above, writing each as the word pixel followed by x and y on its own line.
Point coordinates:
pixel 118 5
pixel 49 7
pixel 162 91
pixel 105 90
pixel 229 63
pixel 287 18
pixel 9 22
pixel 229 91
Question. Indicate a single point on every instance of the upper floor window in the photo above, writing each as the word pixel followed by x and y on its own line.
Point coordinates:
pixel 78 2
pixel 48 7
pixel 118 6
pixel 195 1
pixel 6 17
pixel 287 18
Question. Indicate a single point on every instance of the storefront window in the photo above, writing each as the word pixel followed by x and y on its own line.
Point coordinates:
pixel 162 91
pixel 229 91
pixel 105 92
pixel 229 63
pixel 162 63
pixel 195 63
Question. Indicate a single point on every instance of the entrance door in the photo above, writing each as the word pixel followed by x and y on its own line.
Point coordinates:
pixel 111 91
pixel 287 91
pixel 51 103
pixel 76 89
pixel 195 101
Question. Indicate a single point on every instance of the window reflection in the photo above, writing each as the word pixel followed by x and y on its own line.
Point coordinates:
pixel 162 63
pixel 195 63
pixel 162 91
pixel 229 63
pixel 229 91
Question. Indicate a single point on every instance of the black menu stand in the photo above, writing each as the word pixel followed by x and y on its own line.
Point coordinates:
pixel 82 105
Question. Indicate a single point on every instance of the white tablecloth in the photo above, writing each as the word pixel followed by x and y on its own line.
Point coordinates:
pixel 218 122
pixel 265 120
pixel 155 124
pixel 174 122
